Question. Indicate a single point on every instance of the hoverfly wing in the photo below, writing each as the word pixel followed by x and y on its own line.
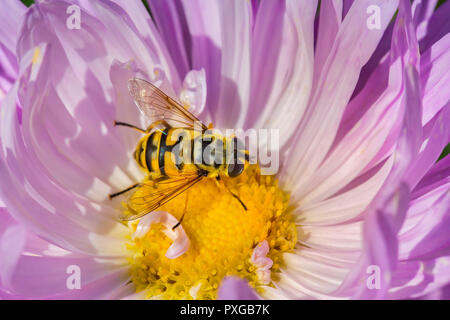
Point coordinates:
pixel 157 105
pixel 150 195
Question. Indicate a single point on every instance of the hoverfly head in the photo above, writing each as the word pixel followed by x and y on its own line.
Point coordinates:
pixel 139 152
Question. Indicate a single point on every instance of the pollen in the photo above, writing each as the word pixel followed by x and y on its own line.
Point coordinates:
pixel 224 239
pixel 36 54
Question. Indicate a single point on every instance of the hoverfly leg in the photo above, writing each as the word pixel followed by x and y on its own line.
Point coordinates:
pixel 178 223
pixel 112 195
pixel 184 212
pixel 234 195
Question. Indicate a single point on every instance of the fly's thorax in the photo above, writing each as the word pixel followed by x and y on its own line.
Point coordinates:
pixel 209 151
pixel 175 151
pixel 221 155
pixel 172 151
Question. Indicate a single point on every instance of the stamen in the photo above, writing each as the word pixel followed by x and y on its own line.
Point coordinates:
pixel 215 239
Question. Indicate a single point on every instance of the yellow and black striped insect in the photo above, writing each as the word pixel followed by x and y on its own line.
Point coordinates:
pixel 177 151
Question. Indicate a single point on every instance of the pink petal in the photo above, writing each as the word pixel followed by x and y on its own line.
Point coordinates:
pixel 327 104
pixel 220 32
pixel 434 79
pixel 172 25
pixel 418 278
pixel 282 66
pixel 32 267
pixel 180 240
pixel 329 23
pixel 434 28
pixel 194 91
pixel 11 14
pixel 236 289
pixel 425 233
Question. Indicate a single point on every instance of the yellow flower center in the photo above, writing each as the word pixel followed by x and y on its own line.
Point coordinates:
pixel 223 236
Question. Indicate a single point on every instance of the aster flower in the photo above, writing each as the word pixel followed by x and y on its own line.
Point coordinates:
pixel 358 209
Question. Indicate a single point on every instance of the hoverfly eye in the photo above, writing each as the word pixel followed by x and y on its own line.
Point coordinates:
pixel 235 169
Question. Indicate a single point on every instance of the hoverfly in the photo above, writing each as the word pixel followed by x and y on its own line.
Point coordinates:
pixel 169 174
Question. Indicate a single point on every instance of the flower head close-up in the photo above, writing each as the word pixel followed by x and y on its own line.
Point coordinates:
pixel 224 149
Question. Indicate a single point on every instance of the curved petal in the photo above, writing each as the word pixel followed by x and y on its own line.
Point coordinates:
pixel 172 25
pixel 443 293
pixel 233 288
pixel 417 278
pixel 11 14
pixel 433 29
pixel 346 205
pixel 429 235
pixel 194 91
pixel 436 137
pixel 424 233
pixel 330 20
pixel 434 64
pixel 282 66
pixel 220 32
pixel 34 192
pixel 422 10
pixel 33 268
pixel 319 125
pixel 12 243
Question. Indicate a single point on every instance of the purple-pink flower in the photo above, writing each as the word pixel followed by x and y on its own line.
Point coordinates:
pixel 358 91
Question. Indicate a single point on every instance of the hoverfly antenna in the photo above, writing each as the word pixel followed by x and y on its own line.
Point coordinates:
pixel 124 124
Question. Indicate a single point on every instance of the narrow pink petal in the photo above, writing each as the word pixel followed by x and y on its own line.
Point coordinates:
pixel 220 32
pixel 32 267
pixel 340 74
pixel 387 212
pixel 344 206
pixel 442 293
pixel 330 20
pixel 172 25
pixel 424 232
pixel 345 237
pixel 434 28
pixel 417 278
pixel 436 137
pixel 434 64
pixel 436 176
pixel 236 289
pixel 380 244
pixel 194 91
pixel 313 274
pixel 422 10
pixel 429 235
pixel 282 66
pixel 12 242
pixel 11 14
